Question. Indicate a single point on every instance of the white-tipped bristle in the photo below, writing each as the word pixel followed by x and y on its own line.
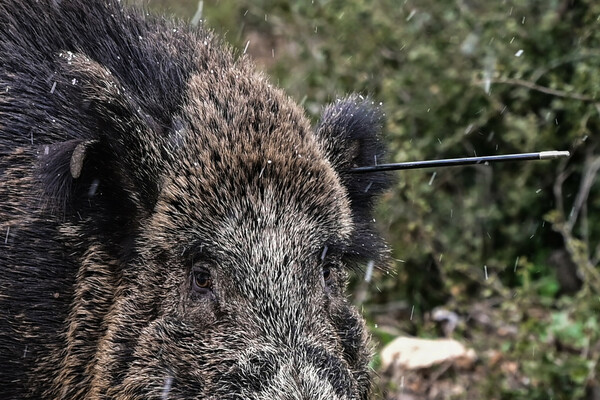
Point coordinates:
pixel 544 155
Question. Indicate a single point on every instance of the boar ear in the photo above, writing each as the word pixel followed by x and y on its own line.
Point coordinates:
pixel 349 132
pixel 108 167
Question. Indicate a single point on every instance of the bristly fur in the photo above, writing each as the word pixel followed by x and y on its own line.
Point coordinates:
pixel 137 153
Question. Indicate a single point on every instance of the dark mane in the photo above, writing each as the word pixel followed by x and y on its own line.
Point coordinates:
pixel 150 57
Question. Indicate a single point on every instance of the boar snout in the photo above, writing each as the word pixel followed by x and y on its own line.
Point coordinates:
pixel 309 372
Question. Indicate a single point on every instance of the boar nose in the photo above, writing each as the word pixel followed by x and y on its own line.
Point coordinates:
pixel 308 372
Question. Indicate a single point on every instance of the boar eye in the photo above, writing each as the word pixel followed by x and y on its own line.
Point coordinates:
pixel 201 281
pixel 327 275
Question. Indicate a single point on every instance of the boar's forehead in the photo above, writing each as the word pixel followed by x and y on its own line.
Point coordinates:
pixel 246 166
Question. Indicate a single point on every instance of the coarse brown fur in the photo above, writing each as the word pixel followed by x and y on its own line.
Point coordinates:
pixel 172 226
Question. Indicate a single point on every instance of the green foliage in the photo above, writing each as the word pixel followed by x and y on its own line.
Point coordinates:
pixel 553 355
pixel 457 79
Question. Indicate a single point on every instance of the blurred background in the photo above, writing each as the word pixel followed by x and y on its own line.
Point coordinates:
pixel 504 259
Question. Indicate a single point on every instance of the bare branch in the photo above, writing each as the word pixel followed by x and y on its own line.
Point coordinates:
pixel 577 249
pixel 562 174
pixel 543 89
pixel 589 175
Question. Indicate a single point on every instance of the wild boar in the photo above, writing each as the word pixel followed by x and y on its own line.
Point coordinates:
pixel 172 226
